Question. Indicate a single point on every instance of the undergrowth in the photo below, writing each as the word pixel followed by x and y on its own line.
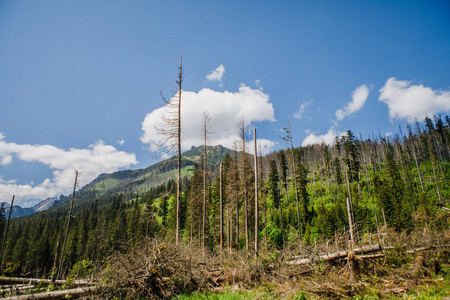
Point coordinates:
pixel 414 266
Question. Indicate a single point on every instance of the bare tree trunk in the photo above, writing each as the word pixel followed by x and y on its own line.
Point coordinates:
pixel 417 166
pixel 244 170
pixel 236 177
pixel 295 186
pixel 265 223
pixel 205 136
pixel 256 195
pixel 180 78
pixel 281 217
pixel 350 223
pixel 350 197
pixel 67 228
pixel 55 261
pixel 221 207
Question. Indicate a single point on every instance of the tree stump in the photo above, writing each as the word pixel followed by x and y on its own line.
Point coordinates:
pixel 418 264
pixel 353 266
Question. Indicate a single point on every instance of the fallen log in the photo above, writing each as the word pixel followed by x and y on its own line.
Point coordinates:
pixel 336 255
pixel 371 256
pixel 427 248
pixel 81 282
pixel 17 288
pixel 78 292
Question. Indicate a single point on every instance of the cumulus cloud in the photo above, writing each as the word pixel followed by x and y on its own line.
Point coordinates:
pixel 225 109
pixel 5 160
pixel 96 159
pixel 327 138
pixel 264 146
pixel 359 97
pixel 217 74
pixel 406 101
pixel 121 142
pixel 303 109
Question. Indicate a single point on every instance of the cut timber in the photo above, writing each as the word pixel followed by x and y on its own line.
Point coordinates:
pixel 37 280
pixel 371 256
pixel 337 255
pixel 426 248
pixel 57 294
pixel 20 287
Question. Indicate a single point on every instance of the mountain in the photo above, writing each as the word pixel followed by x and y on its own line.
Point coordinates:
pixel 142 180
pixel 19 211
pixel 46 204
pixel 130 181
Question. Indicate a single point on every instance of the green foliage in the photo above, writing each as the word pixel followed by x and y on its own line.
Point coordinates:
pixel 275 235
pixel 301 296
pixel 82 269
pixel 11 270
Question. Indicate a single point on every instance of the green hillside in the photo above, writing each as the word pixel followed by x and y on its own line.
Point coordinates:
pixel 142 180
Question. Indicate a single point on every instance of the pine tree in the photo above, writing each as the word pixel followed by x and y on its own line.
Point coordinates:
pixel 273 183
pixel 283 173
pixel 194 219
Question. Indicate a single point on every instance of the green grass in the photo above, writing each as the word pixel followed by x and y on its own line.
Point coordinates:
pixel 438 290
pixel 258 293
pixel 106 185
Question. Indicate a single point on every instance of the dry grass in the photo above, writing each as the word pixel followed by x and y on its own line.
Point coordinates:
pixel 157 269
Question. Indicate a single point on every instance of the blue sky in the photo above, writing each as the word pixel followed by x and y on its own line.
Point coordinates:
pixel 80 81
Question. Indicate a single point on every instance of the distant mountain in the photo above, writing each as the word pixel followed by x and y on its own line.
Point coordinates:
pixel 19 211
pixel 46 204
pixel 140 180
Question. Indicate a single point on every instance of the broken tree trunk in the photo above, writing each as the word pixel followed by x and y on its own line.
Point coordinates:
pixel 78 292
pixel 336 255
pixel 371 256
pixel 24 280
pixel 353 266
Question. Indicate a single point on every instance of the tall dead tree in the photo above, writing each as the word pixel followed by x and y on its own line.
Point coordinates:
pixel 69 217
pixel 221 205
pixel 289 138
pixel 235 175
pixel 206 119
pixel 170 129
pixel 256 195
pixel 244 174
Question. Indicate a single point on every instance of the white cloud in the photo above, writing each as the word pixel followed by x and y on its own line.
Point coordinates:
pixel 327 138
pixel 406 101
pixel 267 146
pixel 359 97
pixel 226 109
pixel 96 159
pixel 121 142
pixel 6 160
pixel 264 146
pixel 217 74
pixel 302 110
pixel 7 181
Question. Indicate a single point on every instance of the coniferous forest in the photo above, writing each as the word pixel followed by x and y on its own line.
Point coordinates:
pixel 396 184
